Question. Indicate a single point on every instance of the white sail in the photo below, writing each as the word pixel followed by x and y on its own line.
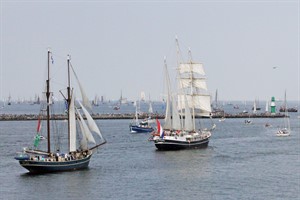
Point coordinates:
pixel 176 123
pixel 91 123
pixel 195 83
pixel 200 102
pixel 168 122
pixel 85 130
pixel 188 121
pixel 83 142
pixel 136 115
pixel 267 106
pixel 191 67
pixel 72 125
pixel 150 108
pixel 85 99
pixel 254 107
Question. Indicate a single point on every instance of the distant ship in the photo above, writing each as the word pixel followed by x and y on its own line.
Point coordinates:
pixel 284 107
pixel 140 126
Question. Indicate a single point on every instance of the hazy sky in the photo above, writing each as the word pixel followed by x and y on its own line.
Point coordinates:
pixel 120 45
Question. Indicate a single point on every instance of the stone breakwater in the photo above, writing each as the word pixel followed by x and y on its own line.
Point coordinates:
pixel 24 117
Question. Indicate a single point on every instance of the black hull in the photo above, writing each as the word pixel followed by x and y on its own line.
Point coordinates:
pixel 38 167
pixel 177 145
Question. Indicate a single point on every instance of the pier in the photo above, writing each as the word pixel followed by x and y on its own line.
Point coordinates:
pixel 112 116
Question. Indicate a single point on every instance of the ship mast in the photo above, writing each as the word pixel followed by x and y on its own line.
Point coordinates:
pixel 178 63
pixel 48 102
pixel 192 87
pixel 69 100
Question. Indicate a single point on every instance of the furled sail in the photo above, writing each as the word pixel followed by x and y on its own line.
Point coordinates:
pixel 72 125
pixel 91 123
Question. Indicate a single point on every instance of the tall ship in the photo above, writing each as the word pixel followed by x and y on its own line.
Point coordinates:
pixel 190 101
pixel 79 145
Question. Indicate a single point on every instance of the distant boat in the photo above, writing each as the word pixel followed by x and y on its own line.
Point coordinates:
pixel 216 107
pixel 245 108
pixel 236 107
pixel 284 107
pixel 150 110
pixel 116 107
pixel 122 100
pixel 36 160
pixel 37 100
pixel 268 125
pixel 267 107
pixel 9 100
pixel 180 132
pixel 222 119
pixel 248 121
pixel 140 127
pixel 256 105
pixel 96 101
pixel 285 130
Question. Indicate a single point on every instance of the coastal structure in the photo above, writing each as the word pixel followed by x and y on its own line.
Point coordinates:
pixel 273 106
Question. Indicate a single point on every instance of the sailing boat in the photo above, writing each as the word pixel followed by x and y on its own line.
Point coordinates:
pixel 9 100
pixel 284 107
pixel 249 121
pixel 36 160
pixel 179 131
pixel 95 101
pixel 256 105
pixel 140 127
pixel 286 129
pixel 216 107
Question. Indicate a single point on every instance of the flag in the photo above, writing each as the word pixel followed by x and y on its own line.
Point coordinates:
pixel 52 60
pixel 38 129
pixel 36 141
pixel 159 129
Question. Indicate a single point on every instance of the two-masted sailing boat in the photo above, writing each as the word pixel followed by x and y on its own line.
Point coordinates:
pixel 54 159
pixel 179 130
pixel 140 126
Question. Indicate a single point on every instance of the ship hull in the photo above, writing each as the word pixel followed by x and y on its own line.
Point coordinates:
pixel 38 167
pixel 138 129
pixel 178 145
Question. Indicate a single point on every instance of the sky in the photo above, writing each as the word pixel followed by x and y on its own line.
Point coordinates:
pixel 249 49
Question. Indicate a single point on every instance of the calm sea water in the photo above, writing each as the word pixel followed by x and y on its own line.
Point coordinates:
pixel 241 162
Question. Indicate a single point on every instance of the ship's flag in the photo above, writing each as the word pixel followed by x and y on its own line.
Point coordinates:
pixel 159 129
pixel 36 140
pixel 52 60
pixel 39 126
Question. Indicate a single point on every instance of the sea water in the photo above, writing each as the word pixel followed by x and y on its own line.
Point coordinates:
pixel 241 162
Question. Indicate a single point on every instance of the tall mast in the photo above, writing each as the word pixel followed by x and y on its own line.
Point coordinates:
pixel 178 63
pixel 168 120
pixel 192 94
pixel 69 98
pixel 48 102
